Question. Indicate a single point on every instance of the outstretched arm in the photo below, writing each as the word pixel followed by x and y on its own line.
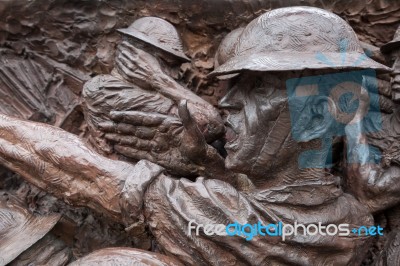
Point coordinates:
pixel 60 163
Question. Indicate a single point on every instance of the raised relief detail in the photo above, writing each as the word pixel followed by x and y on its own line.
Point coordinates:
pixel 296 165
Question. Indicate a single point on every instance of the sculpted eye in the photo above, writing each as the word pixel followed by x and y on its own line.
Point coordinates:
pixel 258 87
pixel 257 83
pixel 265 89
pixel 260 90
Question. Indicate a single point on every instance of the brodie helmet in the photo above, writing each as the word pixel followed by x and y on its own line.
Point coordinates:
pixel 157 32
pixel 297 38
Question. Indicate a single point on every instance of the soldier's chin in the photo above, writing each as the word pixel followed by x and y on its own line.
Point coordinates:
pixel 232 162
pixel 232 148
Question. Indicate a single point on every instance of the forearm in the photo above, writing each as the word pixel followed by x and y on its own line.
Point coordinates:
pixel 62 164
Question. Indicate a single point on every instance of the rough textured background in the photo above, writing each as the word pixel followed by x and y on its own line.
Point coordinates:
pixel 81 34
pixel 49 48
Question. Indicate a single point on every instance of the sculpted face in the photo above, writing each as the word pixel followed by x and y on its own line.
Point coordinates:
pixel 395 57
pixel 258 137
pixel 258 123
pixel 167 59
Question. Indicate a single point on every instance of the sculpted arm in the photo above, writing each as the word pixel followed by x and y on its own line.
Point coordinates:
pixel 60 163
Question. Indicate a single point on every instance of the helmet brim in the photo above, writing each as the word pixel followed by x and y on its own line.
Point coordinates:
pixel 390 46
pixel 21 236
pixel 229 76
pixel 280 61
pixel 154 42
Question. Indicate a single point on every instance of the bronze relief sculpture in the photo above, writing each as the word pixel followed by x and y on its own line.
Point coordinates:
pixel 390 253
pixel 302 149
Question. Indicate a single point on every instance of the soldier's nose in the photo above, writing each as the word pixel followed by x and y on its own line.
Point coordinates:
pixel 232 100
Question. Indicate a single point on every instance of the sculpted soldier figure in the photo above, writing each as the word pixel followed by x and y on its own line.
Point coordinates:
pixel 279 45
pixel 389 255
pixel 146 63
pixel 117 91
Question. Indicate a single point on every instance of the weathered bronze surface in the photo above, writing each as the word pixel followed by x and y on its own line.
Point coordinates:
pixel 125 256
pixel 129 120
pixel 391 250
pixel 19 229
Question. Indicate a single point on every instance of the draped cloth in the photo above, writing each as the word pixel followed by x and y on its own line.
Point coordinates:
pixel 170 204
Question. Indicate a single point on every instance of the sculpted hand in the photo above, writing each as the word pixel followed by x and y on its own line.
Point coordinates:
pixel 143 69
pixel 137 66
pixel 372 171
pixel 177 144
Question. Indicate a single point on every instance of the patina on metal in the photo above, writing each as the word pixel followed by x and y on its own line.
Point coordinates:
pixel 142 163
pixel 17 223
